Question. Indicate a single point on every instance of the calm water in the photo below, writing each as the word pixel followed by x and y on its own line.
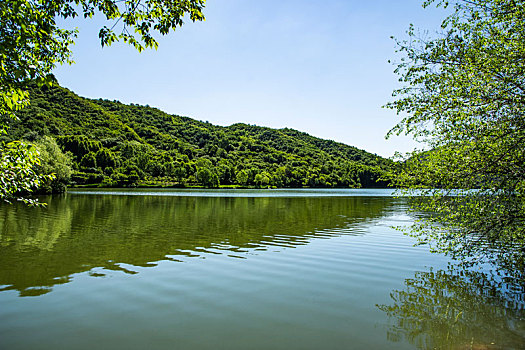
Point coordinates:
pixel 268 269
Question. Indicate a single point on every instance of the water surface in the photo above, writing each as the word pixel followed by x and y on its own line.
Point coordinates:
pixel 249 269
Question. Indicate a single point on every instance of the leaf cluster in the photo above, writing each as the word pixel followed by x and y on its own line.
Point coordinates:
pixel 18 171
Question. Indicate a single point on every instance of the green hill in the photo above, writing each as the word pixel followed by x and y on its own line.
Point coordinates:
pixel 114 144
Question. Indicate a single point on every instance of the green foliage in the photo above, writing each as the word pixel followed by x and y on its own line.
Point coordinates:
pixel 105 158
pixel 108 138
pixel 32 44
pixel 88 160
pixel 207 178
pixel 242 178
pixel 53 161
pixel 80 145
pixel 18 171
pixel 464 95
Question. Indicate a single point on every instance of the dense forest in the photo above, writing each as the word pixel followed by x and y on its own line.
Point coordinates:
pixel 108 143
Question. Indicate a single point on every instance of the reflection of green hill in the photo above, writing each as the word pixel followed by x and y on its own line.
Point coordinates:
pixel 457 309
pixel 42 247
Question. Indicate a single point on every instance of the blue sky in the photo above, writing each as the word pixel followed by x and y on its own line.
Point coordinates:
pixel 319 66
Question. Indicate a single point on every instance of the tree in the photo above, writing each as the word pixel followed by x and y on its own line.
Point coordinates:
pixel 464 97
pixel 105 158
pixel 206 177
pixel 32 44
pixel 242 178
pixel 18 174
pixel 205 174
pixel 53 161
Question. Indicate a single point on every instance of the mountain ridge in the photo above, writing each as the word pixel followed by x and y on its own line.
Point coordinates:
pixel 117 144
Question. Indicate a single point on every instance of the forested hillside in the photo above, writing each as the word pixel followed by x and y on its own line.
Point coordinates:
pixel 113 144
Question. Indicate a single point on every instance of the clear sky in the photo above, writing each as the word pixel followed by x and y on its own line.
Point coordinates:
pixel 319 66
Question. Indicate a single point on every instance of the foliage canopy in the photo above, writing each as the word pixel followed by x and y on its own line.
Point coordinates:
pixel 464 96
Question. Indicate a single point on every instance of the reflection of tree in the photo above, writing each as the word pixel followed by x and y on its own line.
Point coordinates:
pixel 503 248
pixel 43 247
pixel 29 235
pixel 458 309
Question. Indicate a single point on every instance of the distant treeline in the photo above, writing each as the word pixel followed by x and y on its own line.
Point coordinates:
pixel 113 144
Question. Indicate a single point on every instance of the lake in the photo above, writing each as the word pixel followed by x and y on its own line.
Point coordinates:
pixel 237 269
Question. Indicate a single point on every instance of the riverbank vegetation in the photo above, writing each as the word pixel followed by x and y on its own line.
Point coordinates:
pixel 464 97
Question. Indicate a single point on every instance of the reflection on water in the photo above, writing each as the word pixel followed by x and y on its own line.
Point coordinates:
pixel 457 309
pixel 261 270
pixel 40 248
